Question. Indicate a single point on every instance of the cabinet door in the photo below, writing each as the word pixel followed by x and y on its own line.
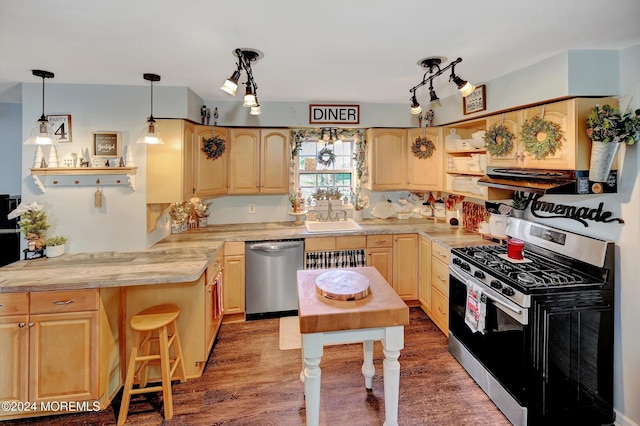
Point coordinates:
pixel 210 175
pixel 244 167
pixel 424 274
pixel 386 159
pixel 63 356
pixel 274 164
pixel 14 355
pixel 188 138
pixel 512 121
pixel 233 284
pixel 405 266
pixel 563 114
pixel 440 311
pixel 425 174
pixel 381 258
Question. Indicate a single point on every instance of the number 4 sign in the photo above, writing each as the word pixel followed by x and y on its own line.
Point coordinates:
pixel 61 127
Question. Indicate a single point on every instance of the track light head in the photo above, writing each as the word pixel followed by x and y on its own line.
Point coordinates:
pixel 415 106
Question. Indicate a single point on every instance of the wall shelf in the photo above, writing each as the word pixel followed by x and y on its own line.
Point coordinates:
pixel 69 176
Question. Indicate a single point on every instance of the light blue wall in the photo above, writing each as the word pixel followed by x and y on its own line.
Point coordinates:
pixel 10 141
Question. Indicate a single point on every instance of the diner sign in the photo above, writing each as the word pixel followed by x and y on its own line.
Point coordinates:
pixel 334 114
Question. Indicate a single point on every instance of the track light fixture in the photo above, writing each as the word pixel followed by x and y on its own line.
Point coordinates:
pixel 329 136
pixel 245 57
pixel 433 70
pixel 150 133
pixel 41 134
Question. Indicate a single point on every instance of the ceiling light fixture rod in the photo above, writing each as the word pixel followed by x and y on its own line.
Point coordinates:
pixel 43 74
pixel 151 77
pixel 432 63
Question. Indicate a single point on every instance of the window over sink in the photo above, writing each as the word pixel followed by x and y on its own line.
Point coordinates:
pixel 323 166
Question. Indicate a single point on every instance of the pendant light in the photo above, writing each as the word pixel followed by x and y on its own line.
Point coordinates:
pixel 245 58
pixel 42 134
pixel 150 133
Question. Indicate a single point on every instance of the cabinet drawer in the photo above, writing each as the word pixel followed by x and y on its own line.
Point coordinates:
pixel 52 302
pixel 440 311
pixel 233 248
pixel 320 244
pixel 352 242
pixel 14 304
pixel 379 241
pixel 440 276
pixel 440 252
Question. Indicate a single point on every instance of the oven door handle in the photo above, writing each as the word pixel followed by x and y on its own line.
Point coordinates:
pixel 466 281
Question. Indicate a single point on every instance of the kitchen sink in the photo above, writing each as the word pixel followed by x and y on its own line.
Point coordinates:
pixel 335 226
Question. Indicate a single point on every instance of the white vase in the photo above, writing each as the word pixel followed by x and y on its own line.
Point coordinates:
pixel 602 155
pixel 55 251
pixel 357 215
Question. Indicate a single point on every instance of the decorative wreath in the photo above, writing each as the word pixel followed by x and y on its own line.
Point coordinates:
pixel 498 140
pixel 213 147
pixel 422 148
pixel 326 157
pixel 541 137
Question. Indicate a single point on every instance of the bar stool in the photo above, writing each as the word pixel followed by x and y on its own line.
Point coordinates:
pixel 160 318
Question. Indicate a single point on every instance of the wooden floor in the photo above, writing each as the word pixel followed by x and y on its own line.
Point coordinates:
pixel 249 381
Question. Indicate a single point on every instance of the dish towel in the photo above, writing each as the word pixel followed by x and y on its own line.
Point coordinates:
pixel 475 308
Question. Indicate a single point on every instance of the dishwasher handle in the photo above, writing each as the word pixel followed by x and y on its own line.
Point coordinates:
pixel 274 247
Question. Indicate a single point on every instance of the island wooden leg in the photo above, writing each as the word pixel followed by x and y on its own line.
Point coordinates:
pixel 368 369
pixel 392 344
pixel 312 350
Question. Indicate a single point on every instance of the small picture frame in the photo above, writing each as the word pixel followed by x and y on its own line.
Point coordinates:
pixel 60 125
pixel 475 102
pixel 106 144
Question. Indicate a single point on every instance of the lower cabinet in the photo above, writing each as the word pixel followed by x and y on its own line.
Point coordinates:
pixel 380 255
pixel 58 346
pixel 424 274
pixel 405 266
pixel 440 286
pixel 234 281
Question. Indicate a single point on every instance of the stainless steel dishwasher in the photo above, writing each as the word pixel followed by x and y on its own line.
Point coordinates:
pixel 271 282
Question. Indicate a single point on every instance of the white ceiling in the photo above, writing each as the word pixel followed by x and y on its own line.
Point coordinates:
pixel 315 51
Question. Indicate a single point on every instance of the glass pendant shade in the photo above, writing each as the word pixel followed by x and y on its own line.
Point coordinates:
pixel 464 86
pixel 231 84
pixel 151 134
pixel 417 109
pixel 250 97
pixel 41 134
pixel 256 110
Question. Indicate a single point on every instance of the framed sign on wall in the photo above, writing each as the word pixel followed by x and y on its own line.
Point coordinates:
pixel 106 144
pixel 476 101
pixel 60 125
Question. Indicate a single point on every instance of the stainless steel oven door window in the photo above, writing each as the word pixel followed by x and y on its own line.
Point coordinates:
pixel 504 347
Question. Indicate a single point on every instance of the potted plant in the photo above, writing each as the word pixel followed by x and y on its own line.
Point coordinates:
pixel 519 203
pixel 607 128
pixel 360 202
pixel 33 224
pixel 56 246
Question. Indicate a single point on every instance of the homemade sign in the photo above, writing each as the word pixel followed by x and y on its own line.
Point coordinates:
pixel 334 114
pixel 106 144
pixel 546 210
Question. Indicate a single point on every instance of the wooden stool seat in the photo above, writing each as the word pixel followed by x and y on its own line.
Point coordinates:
pixel 160 319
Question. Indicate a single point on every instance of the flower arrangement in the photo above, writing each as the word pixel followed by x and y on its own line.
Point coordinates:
pixel 199 208
pixel 57 240
pixel 359 200
pixel 607 124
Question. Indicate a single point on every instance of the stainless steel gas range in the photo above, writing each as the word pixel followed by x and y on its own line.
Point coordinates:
pixel 543 351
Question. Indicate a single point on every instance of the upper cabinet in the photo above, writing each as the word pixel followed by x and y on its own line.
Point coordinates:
pixel 178 169
pixel 259 161
pixel 575 147
pixel 393 165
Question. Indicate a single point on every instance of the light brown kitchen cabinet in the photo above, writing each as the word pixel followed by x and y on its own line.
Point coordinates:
pixel 575 150
pixel 335 243
pixel 213 301
pixel 424 274
pixel 210 175
pixel 59 346
pixel 380 255
pixel 234 281
pixel 259 161
pixel 440 256
pixel 386 159
pixel 424 174
pixel 405 266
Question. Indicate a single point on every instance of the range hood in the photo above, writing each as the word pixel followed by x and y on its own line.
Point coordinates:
pixel 543 181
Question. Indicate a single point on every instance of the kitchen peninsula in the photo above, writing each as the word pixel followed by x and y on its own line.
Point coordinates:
pixel 97 293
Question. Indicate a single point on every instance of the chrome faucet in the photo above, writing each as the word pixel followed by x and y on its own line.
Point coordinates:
pixel 330 209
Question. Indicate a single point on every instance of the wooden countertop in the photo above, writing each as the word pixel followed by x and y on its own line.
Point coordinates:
pixel 184 257
pixel 381 308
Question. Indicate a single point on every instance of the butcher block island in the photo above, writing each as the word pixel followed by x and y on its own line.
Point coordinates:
pixel 379 315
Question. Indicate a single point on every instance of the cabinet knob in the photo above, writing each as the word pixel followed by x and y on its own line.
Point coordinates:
pixel 31 324
pixel 66 302
pixel 21 324
pixel 441 311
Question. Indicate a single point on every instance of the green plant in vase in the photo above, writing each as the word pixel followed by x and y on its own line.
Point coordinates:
pixel 58 240
pixel 33 224
pixel 519 203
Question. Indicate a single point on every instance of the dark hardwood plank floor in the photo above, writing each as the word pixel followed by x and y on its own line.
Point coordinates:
pixel 249 381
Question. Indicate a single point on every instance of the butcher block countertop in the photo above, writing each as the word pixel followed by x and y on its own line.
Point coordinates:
pixel 184 257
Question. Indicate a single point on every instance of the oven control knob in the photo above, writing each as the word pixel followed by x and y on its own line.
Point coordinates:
pixel 457 261
pixel 465 266
pixel 508 291
pixel 478 274
pixel 496 284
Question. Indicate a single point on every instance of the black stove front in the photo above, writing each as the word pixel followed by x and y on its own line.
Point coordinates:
pixel 545 352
